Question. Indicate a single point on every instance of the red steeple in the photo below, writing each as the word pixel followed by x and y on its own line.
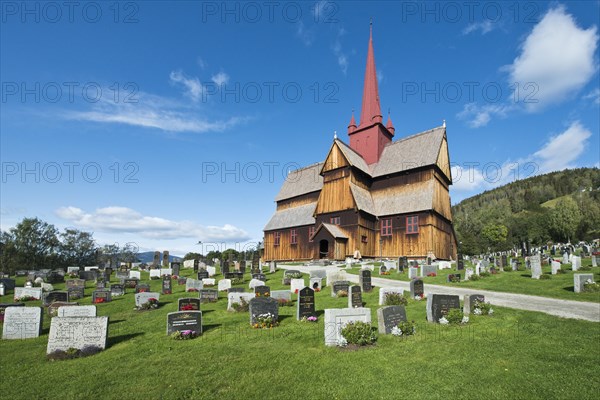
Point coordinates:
pixel 371 110
pixel 390 125
pixel 371 136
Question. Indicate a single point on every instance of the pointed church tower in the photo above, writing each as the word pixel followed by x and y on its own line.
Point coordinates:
pixel 371 136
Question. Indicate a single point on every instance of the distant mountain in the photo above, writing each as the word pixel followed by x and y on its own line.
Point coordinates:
pixel 148 256
pixel 558 206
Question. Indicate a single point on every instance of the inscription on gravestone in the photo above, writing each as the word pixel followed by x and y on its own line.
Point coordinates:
pixel 22 322
pixel 166 285
pixel 340 286
pixel 184 321
pixel 209 295
pixel 77 333
pixel 365 280
pixel 262 306
pixel 355 297
pixel 438 306
pixel 51 297
pixel 306 303
pixel 416 288
pixel 388 317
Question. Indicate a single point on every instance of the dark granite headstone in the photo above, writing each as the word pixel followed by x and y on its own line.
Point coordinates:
pixel 117 289
pixel 450 277
pixel 242 267
pixel 208 295
pixel 196 265
pixel 88 275
pixel 50 297
pixel 9 284
pixel 188 304
pixel 53 308
pixel 416 288
pixel 365 280
pixel 175 267
pixel 181 281
pixel 235 290
pixel 54 277
pixel 438 306
pixel 469 302
pixel 340 286
pixel 306 303
pixel 460 263
pixel 101 296
pixel 203 274
pixel 184 321
pixel 402 263
pixel 355 297
pixel 389 316
pixel 263 305
pixel 142 287
pixel 262 291
pixel 131 283
pixel 76 293
pixel 260 277
pixel 166 285
pixel 224 267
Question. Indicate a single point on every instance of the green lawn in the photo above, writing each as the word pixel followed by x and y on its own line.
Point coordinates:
pixel 513 354
pixel 559 286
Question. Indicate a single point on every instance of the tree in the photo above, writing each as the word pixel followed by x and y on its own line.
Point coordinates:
pixel 193 256
pixel 495 234
pixel 77 248
pixel 564 219
pixel 32 244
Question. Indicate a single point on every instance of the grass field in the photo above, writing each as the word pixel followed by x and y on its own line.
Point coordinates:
pixel 513 354
pixel 558 286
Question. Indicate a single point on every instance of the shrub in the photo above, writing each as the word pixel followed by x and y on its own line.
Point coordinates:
pixel 71 353
pixel 545 276
pixel 151 304
pixel 507 269
pixel 454 279
pixel 342 293
pixel 285 303
pixel 484 274
pixel 404 328
pixel 242 306
pixel 586 268
pixel 482 308
pixel 359 333
pixel 474 277
pixel 591 287
pixel 455 316
pixel 395 299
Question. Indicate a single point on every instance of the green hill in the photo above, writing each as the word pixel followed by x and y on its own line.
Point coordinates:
pixel 558 206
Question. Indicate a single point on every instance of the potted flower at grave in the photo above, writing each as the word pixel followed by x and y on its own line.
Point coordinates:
pixel 99 300
pixel 264 321
pixel 184 335
pixel 151 304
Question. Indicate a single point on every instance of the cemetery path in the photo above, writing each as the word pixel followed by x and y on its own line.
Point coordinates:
pixel 558 307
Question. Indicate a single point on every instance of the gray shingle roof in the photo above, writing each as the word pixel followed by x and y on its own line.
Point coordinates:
pixel 301 181
pixel 354 158
pixel 363 199
pixel 404 199
pixel 411 152
pixel 295 216
pixel 335 230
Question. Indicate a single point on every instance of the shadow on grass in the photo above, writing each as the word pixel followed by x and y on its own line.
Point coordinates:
pixel 569 288
pixel 207 328
pixel 283 317
pixel 115 321
pixel 121 338
pixel 526 275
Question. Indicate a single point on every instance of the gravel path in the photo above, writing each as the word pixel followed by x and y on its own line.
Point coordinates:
pixel 561 308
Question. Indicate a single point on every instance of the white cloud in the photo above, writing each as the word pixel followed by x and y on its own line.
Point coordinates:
pixel 484 26
pixel 379 76
pixel 338 52
pixel 116 219
pixel 562 150
pixel 557 56
pixel 306 34
pixel 201 63
pixel 193 87
pixel 594 96
pixel 152 111
pixel 220 79
pixel 478 116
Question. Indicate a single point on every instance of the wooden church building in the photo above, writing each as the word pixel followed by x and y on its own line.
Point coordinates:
pixel 374 195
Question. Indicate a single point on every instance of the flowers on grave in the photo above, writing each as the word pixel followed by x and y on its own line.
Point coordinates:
pixel 432 274
pixel 174 277
pixel 482 308
pixel 591 286
pixel 454 279
pixel 312 318
pixel 419 297
pixel 342 293
pixel 242 306
pixel 72 274
pixel 99 300
pixel 359 333
pixel 384 273
pixel 142 290
pixel 24 298
pixel 296 291
pixel 317 289
pixel 454 316
pixel 151 304
pixel 188 307
pixel 266 320
pixel 192 290
pixel 443 321
pixel 184 335
pixel 266 294
pixel 404 328
pixel 395 299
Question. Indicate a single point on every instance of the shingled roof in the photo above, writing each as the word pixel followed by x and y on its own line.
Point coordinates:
pixel 301 181
pixel 335 231
pixel 353 157
pixel 363 199
pixel 404 199
pixel 293 216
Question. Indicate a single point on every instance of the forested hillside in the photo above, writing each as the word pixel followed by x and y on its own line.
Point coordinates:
pixel 558 206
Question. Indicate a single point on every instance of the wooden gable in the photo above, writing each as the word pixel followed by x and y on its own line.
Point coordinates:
pixel 335 159
pixel 443 159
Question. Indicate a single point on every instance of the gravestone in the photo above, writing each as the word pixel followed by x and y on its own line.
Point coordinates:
pixel 224 267
pixel 101 296
pixel 413 272
pixel 53 308
pixel 100 285
pixel 428 269
pixel 576 263
pixel 166 272
pixel 143 297
pixel 262 291
pixel 315 283
pixel 579 281
pixel 117 289
pixel 9 284
pixel 184 321
pixel 51 297
pixel 365 280
pixel 175 267
pixel 22 323
pixel 211 271
pixel 452 277
pixel 237 297
pixel 336 276
pixel 166 285
pixel 417 288
pixel 388 317
pixel 305 307
pixel 383 269
pixel 438 306
pixel 156 260
pixel 242 268
pixel 155 274
pixel 555 267
pixel 503 261
pixel 209 282
pixel 355 297
pixel 142 287
pixel 54 277
pixel 402 263
pixel 260 277
pixel 594 261
pixel 281 295
pixel 536 266
pixel 444 265
pixel 202 274
pixel 469 273
pixel 77 333
pixel 4 306
pixel 120 275
pixel 193 285
pixel 337 318
pixel 181 280
pixel 262 306
pixel 35 293
pixel 235 290
pixel 296 285
pixel 208 295
pixel 130 283
pixel 469 302
pixel 340 286
pixel 384 291
pixel 460 262
pixel 76 311
pixel 188 304
pixel 135 274
pixel 224 284
pixel 90 275
pixel 76 293
pixel 165 260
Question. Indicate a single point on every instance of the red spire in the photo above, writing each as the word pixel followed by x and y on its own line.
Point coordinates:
pixel 371 110
pixel 390 125
pixel 352 126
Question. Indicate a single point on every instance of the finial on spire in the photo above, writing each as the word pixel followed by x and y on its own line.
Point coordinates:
pixel 444 123
pixel 334 135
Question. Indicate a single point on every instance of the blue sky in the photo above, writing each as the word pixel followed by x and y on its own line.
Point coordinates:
pixel 166 123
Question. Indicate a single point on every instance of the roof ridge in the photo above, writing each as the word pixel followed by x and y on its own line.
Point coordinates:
pixel 414 136
pixel 308 166
pixel 350 148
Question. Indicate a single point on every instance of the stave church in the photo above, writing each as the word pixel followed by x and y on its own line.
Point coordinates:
pixel 371 197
